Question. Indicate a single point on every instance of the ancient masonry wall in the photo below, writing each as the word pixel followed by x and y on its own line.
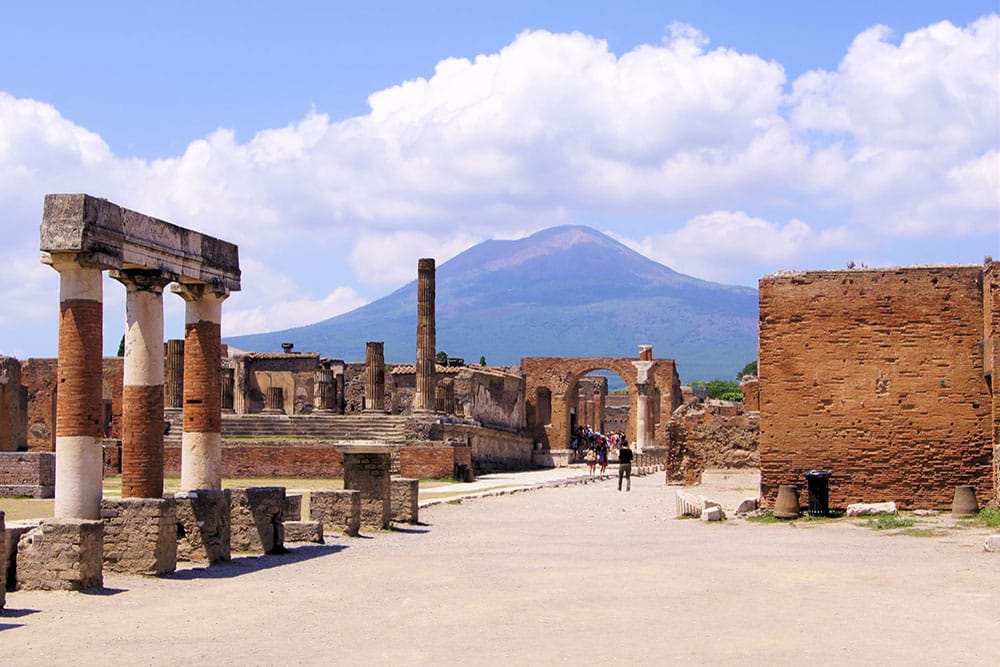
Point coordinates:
pixel 491 450
pixel 991 358
pixel 714 434
pixel 13 407
pixel 28 474
pixel 877 375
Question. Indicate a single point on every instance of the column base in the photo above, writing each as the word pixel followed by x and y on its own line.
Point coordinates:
pixel 140 535
pixel 203 526
pixel 256 515
pixel 61 554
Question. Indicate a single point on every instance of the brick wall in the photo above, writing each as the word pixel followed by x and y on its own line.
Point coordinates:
pixel 13 406
pixel 877 375
pixel 27 469
pixel 432 462
pixel 268 460
pixel 714 434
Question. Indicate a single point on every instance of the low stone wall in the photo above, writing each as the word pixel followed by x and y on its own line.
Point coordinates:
pixel 431 461
pixel 405 506
pixel 204 525
pixel 27 474
pixel 63 554
pixel 12 534
pixel 268 460
pixel 493 450
pixel 338 511
pixel 256 519
pixel 140 535
pixel 304 531
pixel 370 474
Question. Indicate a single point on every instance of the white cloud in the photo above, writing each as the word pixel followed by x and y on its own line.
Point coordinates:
pixel 722 245
pixel 391 259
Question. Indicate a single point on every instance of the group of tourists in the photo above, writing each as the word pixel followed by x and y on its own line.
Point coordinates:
pixel 596 446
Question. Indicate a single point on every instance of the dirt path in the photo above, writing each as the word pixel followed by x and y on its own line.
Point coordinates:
pixel 575 575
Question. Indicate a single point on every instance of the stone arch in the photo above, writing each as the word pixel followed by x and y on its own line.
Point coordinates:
pixel 560 375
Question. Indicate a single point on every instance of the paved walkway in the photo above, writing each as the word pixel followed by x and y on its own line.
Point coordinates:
pixel 504 483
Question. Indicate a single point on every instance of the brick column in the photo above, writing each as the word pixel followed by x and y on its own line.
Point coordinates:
pixel 142 391
pixel 201 442
pixel 79 404
pixel 374 377
pixel 423 397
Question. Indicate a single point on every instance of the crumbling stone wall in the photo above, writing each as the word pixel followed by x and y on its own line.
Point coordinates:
pixel 714 434
pixel 28 474
pixel 492 397
pixel 878 375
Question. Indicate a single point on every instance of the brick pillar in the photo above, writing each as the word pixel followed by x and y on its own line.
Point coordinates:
pixel 201 442
pixel 423 397
pixel 173 388
pixel 374 377
pixel 79 402
pixel 142 390
pixel 645 353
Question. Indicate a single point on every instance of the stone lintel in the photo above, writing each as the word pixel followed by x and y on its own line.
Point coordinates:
pixel 103 235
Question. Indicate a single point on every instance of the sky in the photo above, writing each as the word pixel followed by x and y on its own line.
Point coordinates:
pixel 336 143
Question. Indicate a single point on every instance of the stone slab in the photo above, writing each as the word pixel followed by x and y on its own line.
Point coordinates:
pixel 338 511
pixel 12 534
pixel 868 509
pixel 992 543
pixel 63 554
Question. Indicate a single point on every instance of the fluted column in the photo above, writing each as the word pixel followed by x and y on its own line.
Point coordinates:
pixel 173 388
pixel 79 404
pixel 201 441
pixel 426 373
pixel 142 391
pixel 326 391
pixel 374 377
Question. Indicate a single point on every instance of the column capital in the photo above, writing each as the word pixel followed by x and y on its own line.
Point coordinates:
pixel 198 291
pixel 142 280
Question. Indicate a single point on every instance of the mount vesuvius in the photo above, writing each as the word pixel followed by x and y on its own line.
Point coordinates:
pixel 565 291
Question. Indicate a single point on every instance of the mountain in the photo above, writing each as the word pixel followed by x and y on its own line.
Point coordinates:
pixel 565 291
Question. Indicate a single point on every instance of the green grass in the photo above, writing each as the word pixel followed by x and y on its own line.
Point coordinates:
pixel 988 517
pixel 888 522
pixel 770 518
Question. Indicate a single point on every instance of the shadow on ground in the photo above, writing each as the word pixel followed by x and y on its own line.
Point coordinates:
pixel 241 565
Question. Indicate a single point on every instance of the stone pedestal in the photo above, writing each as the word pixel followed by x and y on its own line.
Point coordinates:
pixel 367 468
pixel 61 554
pixel 203 526
pixel 405 508
pixel 140 535
pixel 256 518
pixel 338 511
pixel 304 531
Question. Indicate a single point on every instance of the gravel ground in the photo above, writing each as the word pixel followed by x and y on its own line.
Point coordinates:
pixel 574 575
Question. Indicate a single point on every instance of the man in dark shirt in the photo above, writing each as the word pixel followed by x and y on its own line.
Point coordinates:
pixel 625 466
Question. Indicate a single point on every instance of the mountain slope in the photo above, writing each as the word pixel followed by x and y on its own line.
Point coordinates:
pixel 564 291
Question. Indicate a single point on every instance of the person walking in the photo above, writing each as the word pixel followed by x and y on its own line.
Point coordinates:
pixel 625 466
pixel 591 459
pixel 602 455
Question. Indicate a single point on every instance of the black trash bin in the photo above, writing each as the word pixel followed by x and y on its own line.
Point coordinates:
pixel 819 491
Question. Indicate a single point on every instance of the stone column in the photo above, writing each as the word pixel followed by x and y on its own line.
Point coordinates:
pixel 374 377
pixel 142 391
pixel 326 391
pixel 201 442
pixel 423 397
pixel 173 389
pixel 228 389
pixel 642 417
pixel 79 403
pixel 339 376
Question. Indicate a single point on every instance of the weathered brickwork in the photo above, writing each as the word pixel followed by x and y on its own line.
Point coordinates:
pixel 140 535
pixel 142 444
pixel 750 386
pixel 991 357
pixel 432 462
pixel 27 474
pixel 714 434
pixel 202 381
pixel 877 375
pixel 80 375
pixel 370 474
pixel 13 407
pixel 61 555
pixel 268 460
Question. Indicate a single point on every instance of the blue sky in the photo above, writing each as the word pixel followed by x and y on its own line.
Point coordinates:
pixel 336 144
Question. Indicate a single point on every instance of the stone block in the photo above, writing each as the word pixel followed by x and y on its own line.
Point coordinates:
pixel 748 505
pixel 992 543
pixel 867 509
pixel 256 519
pixel 293 508
pixel 12 534
pixel 304 531
pixel 713 513
pixel 140 535
pixel 203 526
pixel 405 491
pixel 338 511
pixel 61 554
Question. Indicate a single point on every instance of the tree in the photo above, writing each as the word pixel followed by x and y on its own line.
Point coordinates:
pixel 121 347
pixel 749 369
pixel 442 358
pixel 726 390
pixel 482 360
